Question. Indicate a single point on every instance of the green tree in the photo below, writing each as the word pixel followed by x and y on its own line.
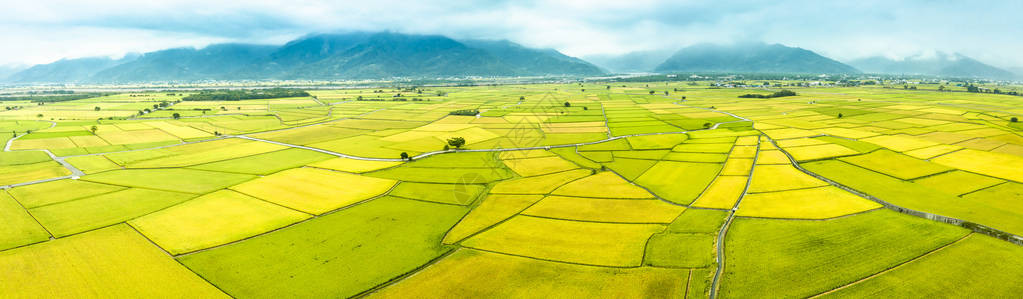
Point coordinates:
pixel 1014 119
pixel 706 125
pixel 93 129
pixel 567 104
pixel 456 142
pixel 404 156
pixel 840 115
pixel 96 108
pixel 176 115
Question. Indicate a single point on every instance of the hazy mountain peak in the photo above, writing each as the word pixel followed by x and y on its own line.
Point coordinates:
pixel 933 63
pixel 751 57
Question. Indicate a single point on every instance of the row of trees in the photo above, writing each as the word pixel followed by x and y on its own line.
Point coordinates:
pixel 466 112
pixel 253 94
pixel 53 98
pixel 783 93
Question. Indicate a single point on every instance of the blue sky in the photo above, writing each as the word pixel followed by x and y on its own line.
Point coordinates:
pixel 46 30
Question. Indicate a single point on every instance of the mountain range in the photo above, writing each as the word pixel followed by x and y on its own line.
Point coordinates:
pixel 381 55
pixel 751 58
pixel 939 64
pixel 359 55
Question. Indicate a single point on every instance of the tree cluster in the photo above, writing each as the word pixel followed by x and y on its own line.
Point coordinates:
pixel 783 93
pixel 466 112
pixel 238 95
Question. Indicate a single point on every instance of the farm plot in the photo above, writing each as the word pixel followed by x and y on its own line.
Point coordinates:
pixel 679 182
pixel 266 163
pixel 213 219
pixel 338 255
pixel 542 184
pixel 812 203
pixel 895 164
pixel 14 174
pixel 590 243
pixel 951 271
pixel 55 268
pixel 511 276
pixel 818 256
pixel 769 178
pixel 19 227
pixel 172 179
pixel 600 185
pixel 84 214
pixel 314 191
pixel 605 210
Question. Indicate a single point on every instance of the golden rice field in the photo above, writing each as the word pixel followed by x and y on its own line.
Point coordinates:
pixel 560 190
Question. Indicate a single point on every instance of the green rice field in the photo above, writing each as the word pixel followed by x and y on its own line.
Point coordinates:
pixel 590 189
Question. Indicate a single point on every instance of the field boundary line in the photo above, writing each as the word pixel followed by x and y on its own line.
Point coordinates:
pixel 720 242
pixel 292 224
pixel 595 221
pixel 23 208
pixel 555 261
pixel 896 266
pixel 519 213
pixel 408 274
pixel 171 256
pixel 975 227
pixel 689 281
pixel 810 219
pixel 985 188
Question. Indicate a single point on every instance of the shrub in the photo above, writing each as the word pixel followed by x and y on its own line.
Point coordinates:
pixel 456 142
pixel 1014 119
pixel 466 112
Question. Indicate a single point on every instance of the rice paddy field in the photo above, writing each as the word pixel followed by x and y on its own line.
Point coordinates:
pixel 568 190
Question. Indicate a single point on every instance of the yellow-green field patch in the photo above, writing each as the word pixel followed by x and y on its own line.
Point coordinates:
pixel 814 203
pixel 602 184
pixel 213 219
pixel 605 209
pixel 456 276
pixel 607 244
pixel 315 191
pixel 353 165
pixel 993 164
pixel 768 178
pixel 119 263
pixel 494 209
pixel 722 193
